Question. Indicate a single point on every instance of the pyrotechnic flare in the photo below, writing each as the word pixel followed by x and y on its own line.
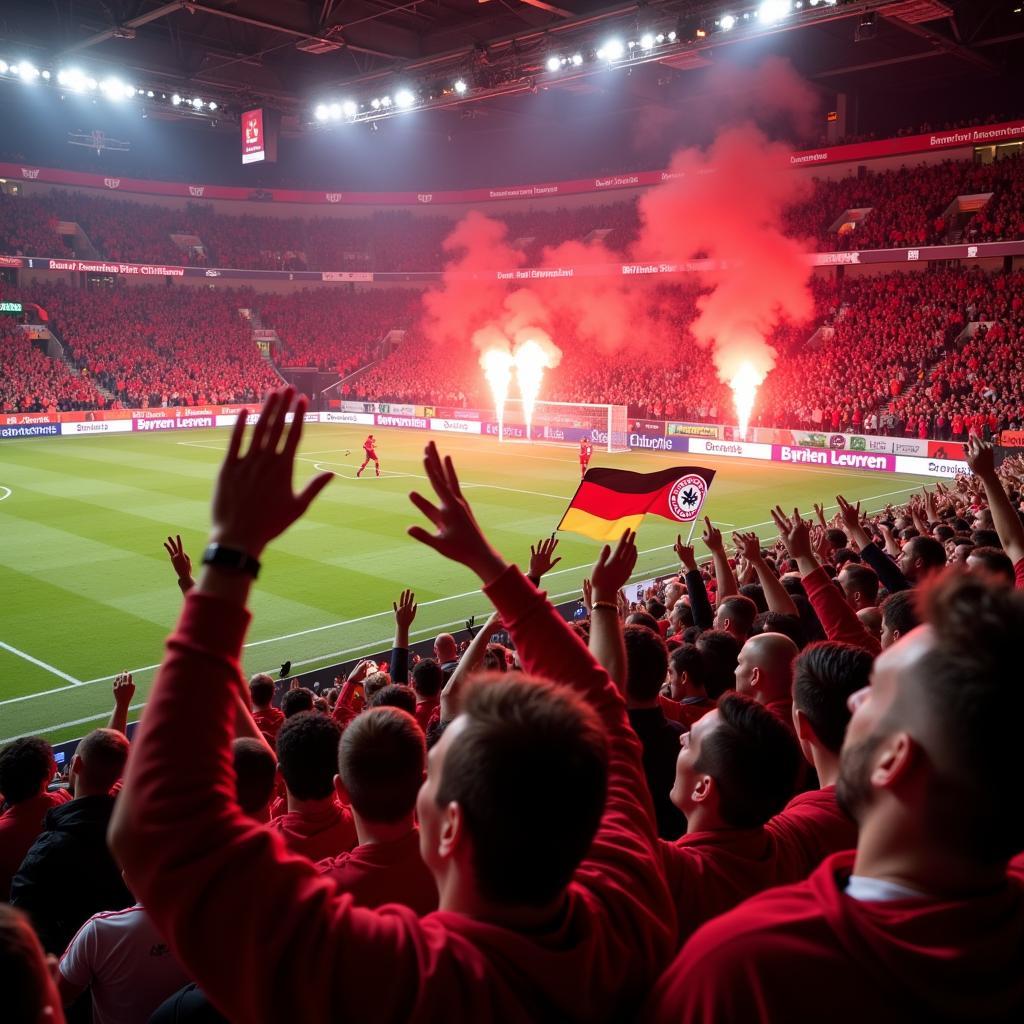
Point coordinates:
pixel 497 366
pixel 531 360
pixel 744 389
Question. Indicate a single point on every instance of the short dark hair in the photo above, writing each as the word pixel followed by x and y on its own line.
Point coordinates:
pixel 380 761
pixel 297 701
pixel 740 609
pixel 261 689
pixel 836 537
pixel 756 594
pixel 532 761
pixel 995 560
pixel 656 608
pixel 942 533
pixel 686 658
pixel 642 619
pixel 26 766
pixel 753 758
pixel 968 685
pixel 255 773
pixel 646 662
pixel 824 677
pixel 844 556
pixel 721 651
pixel 427 678
pixel 307 751
pixel 104 753
pixel 864 579
pixel 899 612
pixel 985 538
pixel 929 550
pixel 394 696
pixel 780 622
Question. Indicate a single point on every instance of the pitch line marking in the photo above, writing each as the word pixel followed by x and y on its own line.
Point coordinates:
pixel 7 492
pixel 43 665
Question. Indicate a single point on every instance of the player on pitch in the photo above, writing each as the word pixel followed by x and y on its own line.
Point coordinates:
pixel 370 450
pixel 586 450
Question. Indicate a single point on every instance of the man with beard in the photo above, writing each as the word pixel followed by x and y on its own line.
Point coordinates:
pixel 921 922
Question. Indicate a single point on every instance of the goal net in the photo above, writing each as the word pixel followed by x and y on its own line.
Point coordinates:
pixel 606 426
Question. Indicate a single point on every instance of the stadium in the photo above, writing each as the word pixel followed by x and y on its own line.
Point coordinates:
pixel 532 489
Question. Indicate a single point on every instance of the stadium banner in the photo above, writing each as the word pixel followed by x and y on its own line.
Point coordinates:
pixel 364 419
pixel 346 275
pixel 12 419
pixel 509 431
pixel 1011 439
pixel 730 449
pixel 657 442
pixel 30 430
pixel 455 426
pixel 409 422
pixel 98 427
pixel 947 468
pixel 980 135
pixel 176 423
pixel 653 428
pixel 830 457
pixel 949 449
pixel 693 429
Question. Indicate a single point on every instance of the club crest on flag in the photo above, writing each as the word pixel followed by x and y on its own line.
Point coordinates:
pixel 686 497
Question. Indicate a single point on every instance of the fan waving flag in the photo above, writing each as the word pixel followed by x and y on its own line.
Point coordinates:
pixel 610 501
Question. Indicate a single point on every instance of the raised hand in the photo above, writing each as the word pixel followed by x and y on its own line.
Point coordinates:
pixel 124 689
pixel 819 511
pixel 253 501
pixel 795 533
pixel 612 570
pixel 405 610
pixel 457 536
pixel 748 545
pixel 711 536
pixel 684 552
pixel 981 457
pixel 588 595
pixel 540 557
pixel 849 512
pixel 180 561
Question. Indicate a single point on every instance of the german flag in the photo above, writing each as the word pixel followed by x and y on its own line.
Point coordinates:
pixel 610 501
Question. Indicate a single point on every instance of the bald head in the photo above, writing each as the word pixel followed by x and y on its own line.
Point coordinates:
pixel 445 648
pixel 765 667
pixel 871 620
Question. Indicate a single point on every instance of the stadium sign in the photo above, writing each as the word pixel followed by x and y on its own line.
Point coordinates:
pixel 30 430
pixel 11 308
pixel 832 457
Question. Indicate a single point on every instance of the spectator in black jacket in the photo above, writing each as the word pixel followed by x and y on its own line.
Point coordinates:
pixel 68 874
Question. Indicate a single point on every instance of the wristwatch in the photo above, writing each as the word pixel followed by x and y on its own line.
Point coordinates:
pixel 231 558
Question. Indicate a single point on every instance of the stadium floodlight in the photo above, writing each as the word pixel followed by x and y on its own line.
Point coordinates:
pixel 577 59
pixel 461 87
pixel 612 50
pixel 197 104
pixel 553 64
pixel 660 38
pixel 113 89
pixel 4 67
pixel 772 11
pixel 728 23
pixel 404 99
pixel 46 75
pixel 385 102
pixel 375 103
pixel 672 35
pixel 647 41
pixel 321 112
pixel 27 72
pixel 349 108
pixel 176 100
pixel 213 106
pixel 335 111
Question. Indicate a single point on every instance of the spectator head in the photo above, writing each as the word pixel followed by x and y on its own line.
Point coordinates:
pixel 644 619
pixel 932 759
pixel 524 759
pixel 860 585
pixel 921 556
pixel 646 666
pixel 720 651
pixel 374 683
pixel 871 620
pixel 961 551
pixel 686 673
pixel 992 565
pixel 495 659
pixel 844 556
pixel 764 669
pixel 307 754
pixel 673 591
pixel 381 762
pixel 736 615
pixel 445 649
pixel 30 996
pixel 261 691
pixel 98 762
pixel 985 538
pixel 427 678
pixel 680 618
pixel 26 767
pixel 756 594
pixel 255 773
pixel 296 701
pixel 394 696
pixel 836 538
pixel 779 622
pixel 899 616
pixel 737 766
pixel 656 609
pixel 983 520
pixel 825 676
pixel 943 533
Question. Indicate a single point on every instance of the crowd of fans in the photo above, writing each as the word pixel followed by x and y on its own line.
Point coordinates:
pixel 777 786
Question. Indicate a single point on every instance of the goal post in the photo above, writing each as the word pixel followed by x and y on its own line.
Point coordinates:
pixel 606 426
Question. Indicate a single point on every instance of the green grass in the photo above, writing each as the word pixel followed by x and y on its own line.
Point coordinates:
pixel 88 591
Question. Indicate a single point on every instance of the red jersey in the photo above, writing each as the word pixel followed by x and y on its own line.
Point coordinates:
pixel 380 873
pixel 586 450
pixel 20 826
pixel 317 835
pixel 269 720
pixel 811 827
pixel 370 445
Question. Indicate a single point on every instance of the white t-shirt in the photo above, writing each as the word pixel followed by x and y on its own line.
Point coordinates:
pixel 127 965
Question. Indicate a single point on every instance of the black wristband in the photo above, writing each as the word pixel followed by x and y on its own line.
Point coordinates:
pixel 231 558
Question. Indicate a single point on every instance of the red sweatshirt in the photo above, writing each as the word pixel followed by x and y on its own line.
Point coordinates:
pixel 379 873
pixel 269 720
pixel 683 713
pixel 195 860
pixel 326 833
pixel 710 872
pixel 808 952
pixel 837 618
pixel 20 826
pixel 811 827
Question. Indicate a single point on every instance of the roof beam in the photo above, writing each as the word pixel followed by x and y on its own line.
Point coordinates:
pixel 143 19
pixel 944 44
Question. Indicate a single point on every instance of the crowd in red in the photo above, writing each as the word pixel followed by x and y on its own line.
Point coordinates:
pixel 31 381
pixel 757 793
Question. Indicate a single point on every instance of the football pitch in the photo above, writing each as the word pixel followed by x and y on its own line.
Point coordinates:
pixel 88 591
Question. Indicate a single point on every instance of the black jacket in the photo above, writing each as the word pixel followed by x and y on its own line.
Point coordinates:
pixel 68 874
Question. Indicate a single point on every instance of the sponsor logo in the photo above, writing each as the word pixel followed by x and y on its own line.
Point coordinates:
pixel 28 418
pixel 424 197
pixel 945 450
pixel 177 423
pixel 858 444
pixel 906 449
pixel 11 261
pixel 836 441
pixel 687 496
pixel 692 429
pixel 877 444
pixel 196 190
pixel 913 254
pixel 972 251
pixel 402 421
pixel 112 182
pixel 213 273
pixel 844 460
pixel 656 442
pixel 808 158
pixel 813 440
pixel 30 172
pixel 617 181
pixel 333 197
pixel 30 430
pixel 829 258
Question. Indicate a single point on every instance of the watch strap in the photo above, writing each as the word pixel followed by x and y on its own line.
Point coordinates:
pixel 231 558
